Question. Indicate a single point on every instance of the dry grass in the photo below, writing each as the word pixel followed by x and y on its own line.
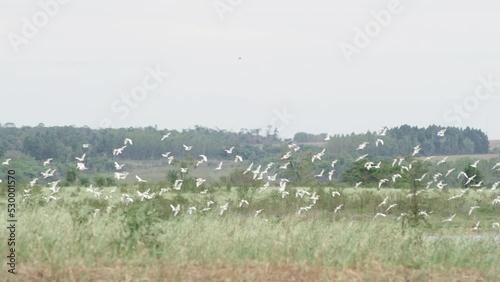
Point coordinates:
pixel 246 272
pixel 63 241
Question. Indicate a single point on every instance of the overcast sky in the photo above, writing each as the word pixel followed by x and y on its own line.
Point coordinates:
pixel 303 67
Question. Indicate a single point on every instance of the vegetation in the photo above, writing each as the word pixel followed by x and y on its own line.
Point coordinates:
pixel 29 146
pixel 319 230
pixel 63 143
pixel 102 238
pixel 400 140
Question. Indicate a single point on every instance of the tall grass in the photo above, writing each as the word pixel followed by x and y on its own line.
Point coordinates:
pixel 58 237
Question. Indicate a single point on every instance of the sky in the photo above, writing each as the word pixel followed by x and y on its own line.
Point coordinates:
pixel 313 66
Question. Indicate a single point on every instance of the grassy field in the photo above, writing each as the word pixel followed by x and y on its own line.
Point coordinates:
pixel 81 237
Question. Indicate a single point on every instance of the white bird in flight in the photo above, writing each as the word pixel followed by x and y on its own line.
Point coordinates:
pixel 450 219
pixel 48 173
pixel 474 165
pixel 379 215
pixel 47 162
pixel 472 209
pixel 382 131
pixel 421 178
pixel 223 208
pixel 49 198
pixel 390 207
pixel 127 140
pixel 362 145
pixel 384 202
pixel 118 151
pixel 170 159
pixel 306 208
pixel 81 166
pixel 441 184
pixel 165 136
pixel 144 195
pixel 191 210
pixel 187 148
pixel 199 181
pixel 441 133
pixel 361 157
pixel 496 200
pixel 338 208
pixel 449 171
pixel 178 184
pixel 6 162
pixel 219 167
pixel 442 161
pixel 476 227
pixel 330 174
pixel 257 212
pixel 495 166
pixel 287 155
pixel 314 198
pixel 33 182
pixel 477 184
pixel 119 166
pixel 81 159
pixel 428 158
pixel 175 209
pixel 248 169
pixel 416 150
pixel 469 179
pixel 243 202
pixel 230 150
pixel 285 166
pixel 53 187
pixel 320 174
pixel 139 179
pixel 382 181
pixel 395 176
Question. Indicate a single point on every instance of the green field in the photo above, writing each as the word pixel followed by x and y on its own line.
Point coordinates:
pixel 68 240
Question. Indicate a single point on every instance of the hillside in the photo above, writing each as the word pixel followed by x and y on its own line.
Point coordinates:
pixel 494 144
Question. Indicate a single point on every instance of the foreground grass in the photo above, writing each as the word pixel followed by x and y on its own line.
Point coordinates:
pixel 142 241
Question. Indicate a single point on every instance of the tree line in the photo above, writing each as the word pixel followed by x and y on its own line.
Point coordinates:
pixel 398 141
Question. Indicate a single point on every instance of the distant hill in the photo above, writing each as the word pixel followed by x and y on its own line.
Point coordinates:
pixel 494 144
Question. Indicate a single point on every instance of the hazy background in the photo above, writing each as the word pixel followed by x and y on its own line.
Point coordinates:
pixel 91 52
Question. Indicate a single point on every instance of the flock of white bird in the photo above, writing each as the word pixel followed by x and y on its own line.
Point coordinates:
pixel 265 174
